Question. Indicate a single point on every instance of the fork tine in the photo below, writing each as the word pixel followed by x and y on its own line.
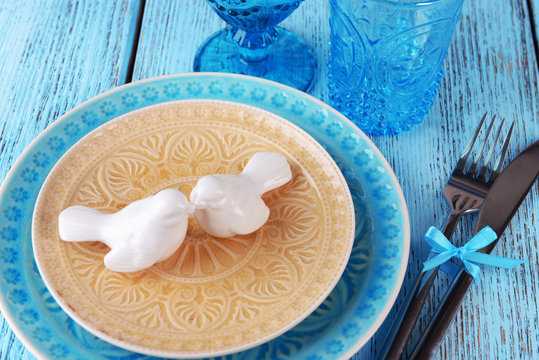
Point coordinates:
pixel 488 158
pixel 501 158
pixel 468 149
pixel 479 154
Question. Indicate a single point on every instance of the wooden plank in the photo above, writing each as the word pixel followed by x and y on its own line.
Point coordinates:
pixel 490 66
pixel 175 30
pixel 53 56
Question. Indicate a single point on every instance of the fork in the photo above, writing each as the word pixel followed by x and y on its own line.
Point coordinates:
pixel 465 192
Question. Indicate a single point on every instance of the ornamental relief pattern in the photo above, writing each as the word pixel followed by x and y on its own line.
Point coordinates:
pixel 209 285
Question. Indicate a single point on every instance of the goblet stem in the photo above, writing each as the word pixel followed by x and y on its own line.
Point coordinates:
pixel 254 46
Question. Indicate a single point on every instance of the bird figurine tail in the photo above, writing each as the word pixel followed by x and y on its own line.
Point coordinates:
pixel 268 169
pixel 80 223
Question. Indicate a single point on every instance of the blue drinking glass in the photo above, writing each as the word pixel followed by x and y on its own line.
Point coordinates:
pixel 386 59
pixel 251 44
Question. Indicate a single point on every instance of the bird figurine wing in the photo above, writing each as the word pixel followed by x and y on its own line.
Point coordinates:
pixel 128 259
pixel 258 215
pixel 142 244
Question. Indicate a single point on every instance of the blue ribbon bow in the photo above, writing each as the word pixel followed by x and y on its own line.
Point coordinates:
pixel 445 250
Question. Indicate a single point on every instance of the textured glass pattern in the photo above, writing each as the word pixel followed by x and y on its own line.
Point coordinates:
pixel 386 59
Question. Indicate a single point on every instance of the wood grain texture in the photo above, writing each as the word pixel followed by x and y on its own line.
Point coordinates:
pixel 53 56
pixel 490 66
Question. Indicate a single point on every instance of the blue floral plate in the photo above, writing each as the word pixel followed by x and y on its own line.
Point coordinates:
pixel 337 329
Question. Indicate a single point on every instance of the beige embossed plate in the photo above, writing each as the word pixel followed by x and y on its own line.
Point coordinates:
pixel 212 296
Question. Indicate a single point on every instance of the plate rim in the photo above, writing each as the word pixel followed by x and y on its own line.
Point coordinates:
pixel 405 214
pixel 168 354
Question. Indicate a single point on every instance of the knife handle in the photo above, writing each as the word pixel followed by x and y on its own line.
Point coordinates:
pixel 430 341
pixel 434 335
pixel 396 341
pixel 410 314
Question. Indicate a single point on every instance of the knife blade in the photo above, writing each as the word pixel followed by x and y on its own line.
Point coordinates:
pixel 501 203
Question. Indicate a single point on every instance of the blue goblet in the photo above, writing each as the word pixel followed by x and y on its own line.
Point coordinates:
pixel 251 44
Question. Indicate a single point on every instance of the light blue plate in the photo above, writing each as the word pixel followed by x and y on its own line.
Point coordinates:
pixel 337 329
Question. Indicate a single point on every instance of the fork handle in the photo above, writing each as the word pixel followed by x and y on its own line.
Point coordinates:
pixel 437 328
pixel 407 318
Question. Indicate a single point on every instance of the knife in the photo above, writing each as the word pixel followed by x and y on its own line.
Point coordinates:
pixel 501 203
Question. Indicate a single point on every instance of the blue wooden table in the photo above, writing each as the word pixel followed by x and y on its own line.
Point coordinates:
pixel 56 54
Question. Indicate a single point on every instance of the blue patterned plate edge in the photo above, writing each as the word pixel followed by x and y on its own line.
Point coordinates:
pixel 324 123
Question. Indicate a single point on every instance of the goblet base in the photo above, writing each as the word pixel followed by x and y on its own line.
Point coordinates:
pixel 290 61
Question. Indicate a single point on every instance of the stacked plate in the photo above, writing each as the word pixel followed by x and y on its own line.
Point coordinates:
pixel 315 282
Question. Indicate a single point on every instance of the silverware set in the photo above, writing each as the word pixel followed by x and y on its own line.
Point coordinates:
pixel 477 183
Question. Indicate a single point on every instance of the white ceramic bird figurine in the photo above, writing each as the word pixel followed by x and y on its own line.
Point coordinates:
pixel 143 233
pixel 226 205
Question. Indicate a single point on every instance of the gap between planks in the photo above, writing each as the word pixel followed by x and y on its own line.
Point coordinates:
pixel 135 43
pixel 531 11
